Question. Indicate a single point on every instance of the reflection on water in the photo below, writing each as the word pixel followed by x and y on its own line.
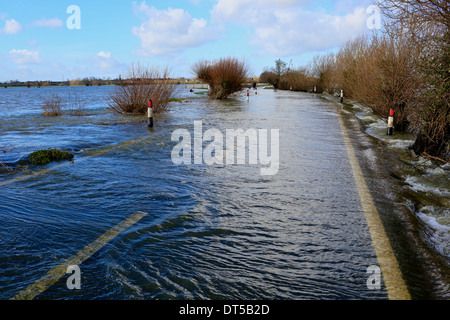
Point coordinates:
pixel 212 232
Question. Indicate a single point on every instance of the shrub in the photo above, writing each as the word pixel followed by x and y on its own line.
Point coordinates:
pixel 224 77
pixel 43 157
pixel 428 26
pixel 283 77
pixel 298 80
pixel 380 72
pixel 52 106
pixel 434 113
pixel 77 106
pixel 268 77
pixel 142 84
pixel 323 68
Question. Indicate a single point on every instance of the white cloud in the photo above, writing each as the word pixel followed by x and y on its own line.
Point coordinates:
pixel 50 23
pixel 103 54
pixel 250 11
pixel 288 27
pixel 298 31
pixel 11 27
pixel 104 60
pixel 24 56
pixel 168 31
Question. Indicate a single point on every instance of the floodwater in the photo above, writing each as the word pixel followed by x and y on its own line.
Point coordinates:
pixel 212 231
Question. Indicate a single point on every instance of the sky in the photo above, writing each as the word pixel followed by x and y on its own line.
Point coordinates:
pixel 59 40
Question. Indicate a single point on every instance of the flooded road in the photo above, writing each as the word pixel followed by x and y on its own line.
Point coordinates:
pixel 210 231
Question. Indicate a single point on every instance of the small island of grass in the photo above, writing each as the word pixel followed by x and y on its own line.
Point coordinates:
pixel 43 157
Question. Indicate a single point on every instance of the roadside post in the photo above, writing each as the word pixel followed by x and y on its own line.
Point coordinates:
pixel 391 123
pixel 150 113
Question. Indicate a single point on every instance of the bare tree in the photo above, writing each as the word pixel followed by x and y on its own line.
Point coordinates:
pixel 225 76
pixel 426 23
pixel 268 77
pixel 300 79
pixel 142 84
pixel 52 106
pixel 408 12
pixel 323 68
pixel 280 68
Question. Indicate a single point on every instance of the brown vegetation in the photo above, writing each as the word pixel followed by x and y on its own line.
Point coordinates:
pixel 428 26
pixel 380 72
pixel 52 106
pixel 405 67
pixel 299 80
pixel 76 105
pixel 142 84
pixel 224 77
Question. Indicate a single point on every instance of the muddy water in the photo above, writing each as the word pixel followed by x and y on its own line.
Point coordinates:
pixel 212 232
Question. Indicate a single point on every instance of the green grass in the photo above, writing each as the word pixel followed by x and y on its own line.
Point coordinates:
pixel 43 157
pixel 177 100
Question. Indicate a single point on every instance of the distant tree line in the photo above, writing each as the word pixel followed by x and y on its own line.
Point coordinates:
pixel 92 81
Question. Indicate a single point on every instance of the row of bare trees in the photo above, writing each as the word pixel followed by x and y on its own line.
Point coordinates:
pixel 225 77
pixel 380 72
pixel 406 67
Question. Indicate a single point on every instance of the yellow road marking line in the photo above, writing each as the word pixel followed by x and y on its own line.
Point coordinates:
pixel 393 279
pixel 58 272
pixel 5 183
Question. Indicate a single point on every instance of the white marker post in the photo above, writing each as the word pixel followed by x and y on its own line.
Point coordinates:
pixel 150 113
pixel 342 96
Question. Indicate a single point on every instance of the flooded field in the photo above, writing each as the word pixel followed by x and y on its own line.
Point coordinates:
pixel 214 231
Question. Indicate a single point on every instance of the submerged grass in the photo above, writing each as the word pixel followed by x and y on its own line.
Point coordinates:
pixel 43 157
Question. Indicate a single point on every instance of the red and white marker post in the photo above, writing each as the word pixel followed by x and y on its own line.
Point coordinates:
pixel 150 113
pixel 391 123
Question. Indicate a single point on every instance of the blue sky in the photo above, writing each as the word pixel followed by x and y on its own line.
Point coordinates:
pixel 36 43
